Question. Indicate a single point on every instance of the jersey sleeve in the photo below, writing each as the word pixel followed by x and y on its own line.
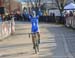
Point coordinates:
pixel 30 17
pixel 37 16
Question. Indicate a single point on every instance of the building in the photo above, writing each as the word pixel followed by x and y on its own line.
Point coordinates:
pixel 1 3
pixel 48 4
pixel 26 6
pixel 12 5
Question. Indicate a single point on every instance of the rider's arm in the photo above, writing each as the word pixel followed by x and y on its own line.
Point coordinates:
pixel 37 16
pixel 30 17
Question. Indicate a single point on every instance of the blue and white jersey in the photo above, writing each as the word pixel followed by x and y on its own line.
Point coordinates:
pixel 34 22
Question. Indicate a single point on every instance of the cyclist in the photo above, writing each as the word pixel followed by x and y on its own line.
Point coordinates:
pixel 35 27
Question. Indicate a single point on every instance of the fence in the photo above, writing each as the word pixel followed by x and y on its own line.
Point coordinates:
pixel 52 19
pixel 48 19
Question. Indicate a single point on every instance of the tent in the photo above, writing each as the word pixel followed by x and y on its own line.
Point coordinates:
pixel 70 6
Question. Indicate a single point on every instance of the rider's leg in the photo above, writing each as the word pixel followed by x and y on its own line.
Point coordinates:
pixel 38 36
pixel 33 41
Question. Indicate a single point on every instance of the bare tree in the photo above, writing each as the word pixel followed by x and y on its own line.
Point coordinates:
pixel 61 4
pixel 39 2
pixel 31 3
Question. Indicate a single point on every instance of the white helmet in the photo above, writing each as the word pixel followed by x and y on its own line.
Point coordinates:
pixel 34 13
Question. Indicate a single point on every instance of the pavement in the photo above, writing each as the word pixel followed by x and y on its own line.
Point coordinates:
pixel 57 41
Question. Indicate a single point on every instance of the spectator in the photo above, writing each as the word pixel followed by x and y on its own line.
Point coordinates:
pixel 25 16
pixel 39 12
pixel 0 18
pixel 7 17
pixel 18 17
pixel 71 13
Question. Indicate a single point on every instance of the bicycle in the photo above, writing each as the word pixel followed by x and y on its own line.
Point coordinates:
pixel 35 40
